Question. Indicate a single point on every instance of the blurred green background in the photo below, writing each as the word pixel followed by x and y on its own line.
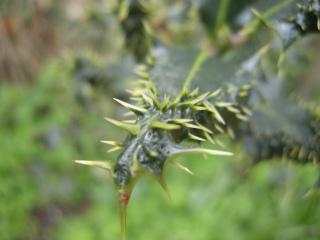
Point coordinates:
pixel 61 63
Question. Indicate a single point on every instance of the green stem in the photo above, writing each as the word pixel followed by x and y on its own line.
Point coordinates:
pixel 123 216
pixel 201 58
pixel 254 25
pixel 222 14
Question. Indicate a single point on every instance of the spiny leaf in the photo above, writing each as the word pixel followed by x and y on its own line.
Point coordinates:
pixel 132 128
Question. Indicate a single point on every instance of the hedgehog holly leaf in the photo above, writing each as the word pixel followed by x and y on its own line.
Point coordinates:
pixel 185 95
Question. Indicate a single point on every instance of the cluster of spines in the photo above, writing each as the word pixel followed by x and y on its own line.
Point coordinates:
pixel 306 21
pixel 308 17
pixel 132 15
pixel 191 116
pixel 190 106
pixel 261 147
pixel 271 144
pixel 281 145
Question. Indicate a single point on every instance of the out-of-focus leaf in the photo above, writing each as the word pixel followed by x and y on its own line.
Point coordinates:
pixel 173 64
pixel 209 11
